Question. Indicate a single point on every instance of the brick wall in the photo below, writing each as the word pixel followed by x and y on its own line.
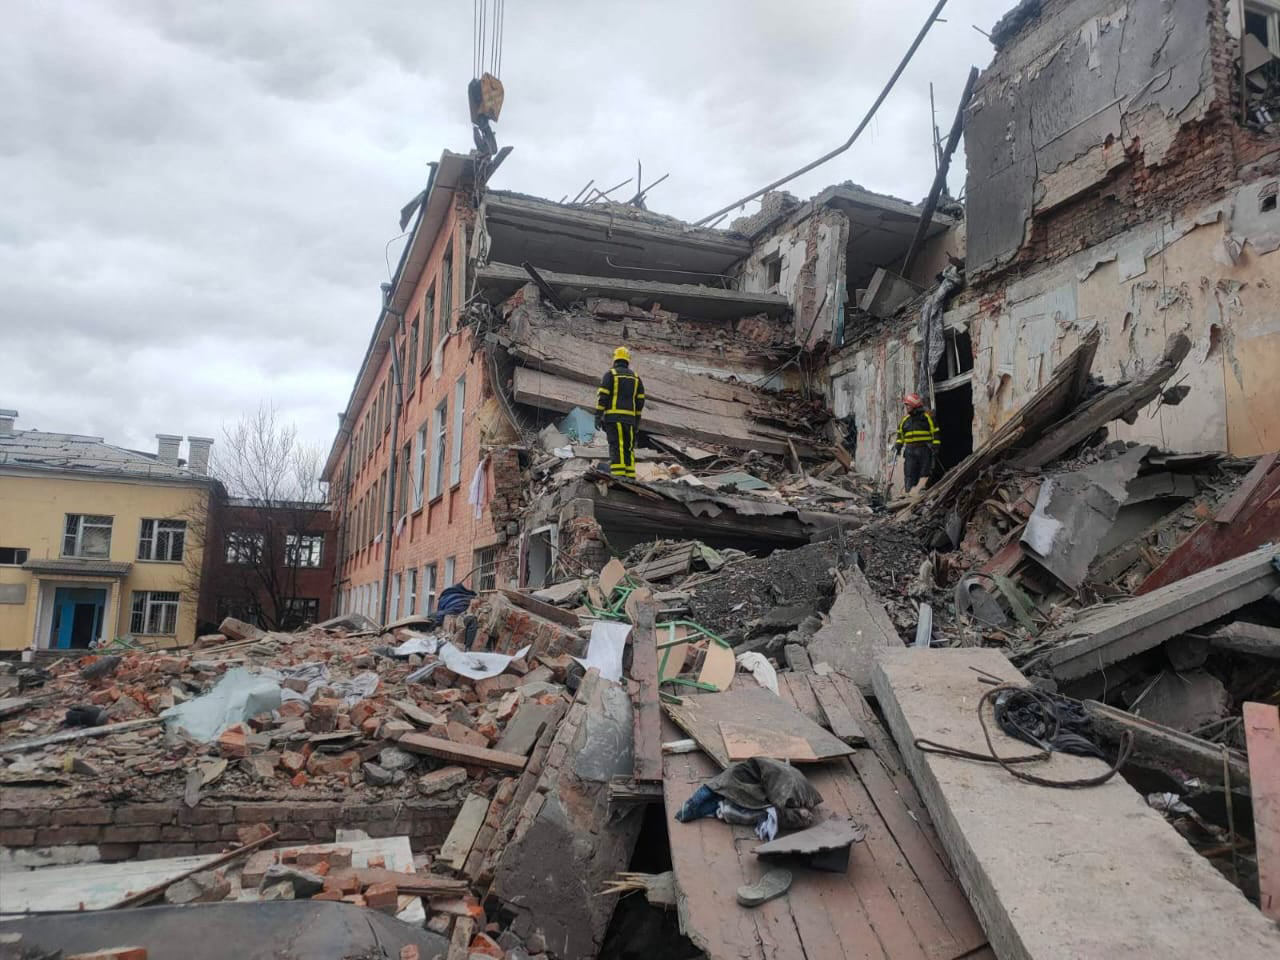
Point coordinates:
pixel 151 830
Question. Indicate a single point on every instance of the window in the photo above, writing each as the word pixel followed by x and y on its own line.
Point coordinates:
pixel 394 610
pixel 300 610
pixel 420 468
pixel 155 613
pixel 459 405
pixel 87 535
pixel 486 569
pixel 428 588
pixel 241 608
pixel 773 267
pixel 244 547
pixel 411 592
pixel 408 372
pixel 405 456
pixel 162 540
pixel 450 568
pixel 446 293
pixel 438 450
pixel 1262 19
pixel 429 327
pixel 13 556
pixel 386 403
pixel 303 549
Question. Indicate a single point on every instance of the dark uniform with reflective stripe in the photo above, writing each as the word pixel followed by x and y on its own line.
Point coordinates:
pixel 619 402
pixel 918 436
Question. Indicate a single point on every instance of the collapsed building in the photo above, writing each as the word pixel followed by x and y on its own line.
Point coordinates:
pixel 1090 592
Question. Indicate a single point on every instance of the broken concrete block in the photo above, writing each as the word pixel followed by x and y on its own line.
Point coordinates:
pixel 395 729
pixel 886 292
pixel 377 776
pixel 239 630
pixel 208 887
pixel 256 867
pixel 393 758
pixel 283 890
pixel 1185 701
pixel 438 781
pixel 326 764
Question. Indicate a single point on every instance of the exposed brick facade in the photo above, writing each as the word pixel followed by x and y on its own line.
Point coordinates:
pixel 153 830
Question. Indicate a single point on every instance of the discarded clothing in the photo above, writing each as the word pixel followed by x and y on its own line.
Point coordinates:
pixel 765 821
pixel 478 493
pixel 759 785
pixel 455 599
pixel 704 803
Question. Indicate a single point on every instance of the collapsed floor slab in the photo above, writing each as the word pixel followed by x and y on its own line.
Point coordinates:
pixel 1055 873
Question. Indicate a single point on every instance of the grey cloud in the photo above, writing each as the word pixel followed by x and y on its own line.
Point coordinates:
pixel 196 197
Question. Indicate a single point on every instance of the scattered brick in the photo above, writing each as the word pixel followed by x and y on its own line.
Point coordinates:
pixel 382 896
pixel 232 742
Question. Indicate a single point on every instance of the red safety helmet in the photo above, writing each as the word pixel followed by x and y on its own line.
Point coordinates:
pixel 913 401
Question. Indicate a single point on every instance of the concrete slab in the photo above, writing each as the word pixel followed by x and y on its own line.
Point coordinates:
pixel 859 628
pixel 1088 873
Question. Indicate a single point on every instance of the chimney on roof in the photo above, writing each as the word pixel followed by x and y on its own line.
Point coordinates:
pixel 167 449
pixel 6 421
pixel 198 454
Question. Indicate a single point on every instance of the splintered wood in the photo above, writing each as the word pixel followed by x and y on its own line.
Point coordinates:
pixel 751 721
pixel 1262 733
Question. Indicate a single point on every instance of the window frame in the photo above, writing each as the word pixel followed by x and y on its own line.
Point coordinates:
pixel 402 508
pixel 413 354
pixel 77 538
pixel 15 562
pixel 459 412
pixel 420 466
pixel 430 587
pixel 310 610
pixel 145 603
pixel 450 571
pixel 153 538
pixel 485 566
pixel 439 449
pixel 1271 11
pixel 257 541
pixel 428 328
pixel 411 591
pixel 393 608
pixel 308 546
pixel 446 293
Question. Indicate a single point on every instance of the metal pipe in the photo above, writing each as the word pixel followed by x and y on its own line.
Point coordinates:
pixel 940 178
pixel 856 133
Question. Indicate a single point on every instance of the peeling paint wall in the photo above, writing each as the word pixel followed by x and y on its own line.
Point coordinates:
pixel 1200 274
pixel 810 255
pixel 1086 92
pixel 869 383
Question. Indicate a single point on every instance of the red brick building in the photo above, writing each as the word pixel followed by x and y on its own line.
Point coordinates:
pixel 271 565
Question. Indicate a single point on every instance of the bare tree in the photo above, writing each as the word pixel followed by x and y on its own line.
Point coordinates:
pixel 259 530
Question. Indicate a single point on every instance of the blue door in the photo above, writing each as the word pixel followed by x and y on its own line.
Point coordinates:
pixel 77 616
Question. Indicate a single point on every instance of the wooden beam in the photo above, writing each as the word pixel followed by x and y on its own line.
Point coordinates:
pixel 1228 512
pixel 1262 734
pixel 647 714
pixel 547 611
pixel 1168 747
pixel 460 752
pixel 84 733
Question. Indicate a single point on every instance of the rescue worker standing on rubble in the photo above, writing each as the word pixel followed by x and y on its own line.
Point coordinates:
pixel 919 440
pixel 619 402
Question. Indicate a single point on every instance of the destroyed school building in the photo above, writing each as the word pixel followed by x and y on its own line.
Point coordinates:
pixel 757 703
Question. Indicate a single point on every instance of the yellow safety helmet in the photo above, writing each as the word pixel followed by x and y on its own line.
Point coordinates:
pixel 622 353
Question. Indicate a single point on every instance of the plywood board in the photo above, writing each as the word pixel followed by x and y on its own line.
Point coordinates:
pixel 457 845
pixel 1262 733
pixel 742 742
pixel 612 575
pixel 718 666
pixel 751 706
pixel 1035 860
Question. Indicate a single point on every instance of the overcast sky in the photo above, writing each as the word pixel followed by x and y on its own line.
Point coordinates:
pixel 196 196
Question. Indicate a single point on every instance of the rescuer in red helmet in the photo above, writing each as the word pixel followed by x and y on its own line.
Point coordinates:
pixel 918 439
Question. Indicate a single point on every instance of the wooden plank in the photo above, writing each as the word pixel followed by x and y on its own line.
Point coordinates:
pixel 794 687
pixel 718 666
pixel 457 845
pixel 701 716
pixel 411 884
pixel 1171 748
pixel 742 742
pixel 1102 635
pixel 1034 860
pixel 611 575
pixel 1262 734
pixel 1228 512
pixel 1254 639
pixel 840 719
pixel 460 752
pixel 547 611
pixel 646 712
pixel 415 714
pixel 146 896
pixel 85 733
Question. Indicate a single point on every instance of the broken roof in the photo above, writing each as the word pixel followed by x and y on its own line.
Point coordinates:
pixel 75 453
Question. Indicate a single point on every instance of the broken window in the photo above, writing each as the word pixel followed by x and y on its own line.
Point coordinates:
pixel 420 467
pixel 304 549
pixel 459 405
pixel 299 610
pixel 428 588
pixel 486 569
pixel 408 371
pixel 450 568
pixel 13 556
pixel 773 272
pixel 429 327
pixel 87 535
pixel 243 547
pixel 406 455
pixel 393 611
pixel 411 592
pixel 1260 46
pixel 957 356
pixel 438 439
pixel 446 293
pixel 155 613
pixel 162 540
pixel 541 556
pixel 1262 20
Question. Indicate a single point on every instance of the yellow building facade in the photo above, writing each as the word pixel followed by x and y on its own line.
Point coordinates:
pixel 98 542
